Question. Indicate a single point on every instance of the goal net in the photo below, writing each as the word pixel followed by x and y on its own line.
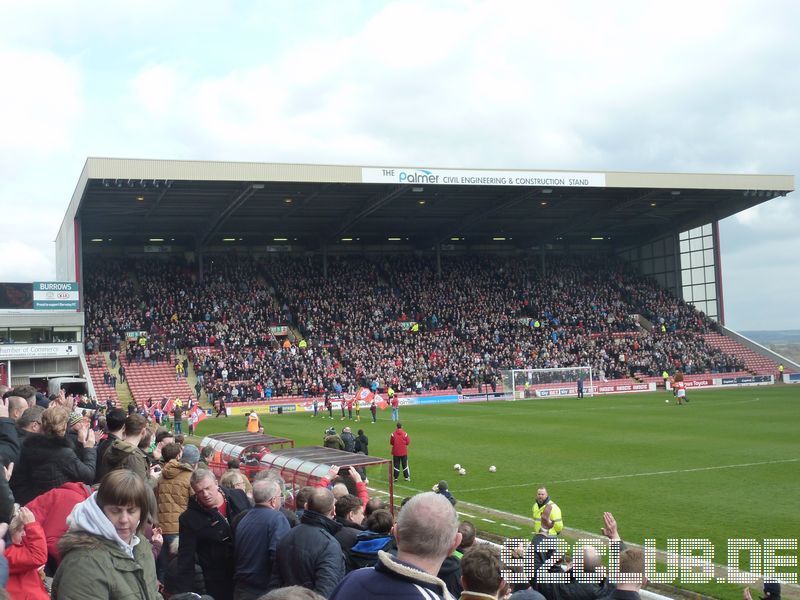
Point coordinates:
pixel 543 383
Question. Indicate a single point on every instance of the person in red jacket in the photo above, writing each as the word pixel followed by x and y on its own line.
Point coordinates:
pixel 51 510
pixel 26 555
pixel 399 441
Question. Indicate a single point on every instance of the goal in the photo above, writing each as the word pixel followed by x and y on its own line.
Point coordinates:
pixel 519 384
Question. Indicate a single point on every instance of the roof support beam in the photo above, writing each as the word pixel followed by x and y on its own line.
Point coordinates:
pixel 478 216
pixel 231 207
pixel 580 222
pixel 156 204
pixel 370 207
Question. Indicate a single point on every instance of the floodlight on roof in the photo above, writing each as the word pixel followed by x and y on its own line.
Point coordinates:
pixel 417 189
pixel 675 192
pixel 347 239
pixel 97 239
pixel 258 186
pixel 156 239
pixel 499 239
pixel 280 239
pixel 395 239
pixel 597 239
pixel 547 191
pixel 543 203
pixel 228 239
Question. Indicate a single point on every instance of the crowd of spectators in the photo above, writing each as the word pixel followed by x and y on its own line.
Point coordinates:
pixel 395 320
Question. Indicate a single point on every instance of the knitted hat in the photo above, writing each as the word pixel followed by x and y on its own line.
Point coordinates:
pixel 191 454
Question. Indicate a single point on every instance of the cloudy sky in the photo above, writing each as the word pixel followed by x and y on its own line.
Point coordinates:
pixel 680 86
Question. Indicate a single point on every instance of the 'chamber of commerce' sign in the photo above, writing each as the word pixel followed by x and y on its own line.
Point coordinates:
pixel 470 177
pixel 55 295
pixel 38 350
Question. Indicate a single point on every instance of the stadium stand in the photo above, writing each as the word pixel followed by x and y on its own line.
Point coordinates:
pixel 753 362
pixel 395 321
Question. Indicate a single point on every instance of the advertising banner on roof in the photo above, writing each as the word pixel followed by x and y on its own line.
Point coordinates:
pixel 472 177
pixel 55 295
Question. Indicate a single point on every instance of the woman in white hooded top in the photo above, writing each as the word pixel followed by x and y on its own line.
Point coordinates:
pixel 104 554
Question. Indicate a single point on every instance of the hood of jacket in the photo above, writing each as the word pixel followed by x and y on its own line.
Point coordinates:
pixel 88 517
pixel 119 452
pixel 174 468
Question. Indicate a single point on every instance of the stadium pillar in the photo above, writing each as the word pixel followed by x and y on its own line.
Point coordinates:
pixel 439 261
pixel 544 268
pixel 718 273
pixel 199 266
pixel 325 262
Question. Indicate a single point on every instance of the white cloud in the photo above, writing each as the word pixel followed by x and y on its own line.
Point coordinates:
pixel 30 260
pixel 40 105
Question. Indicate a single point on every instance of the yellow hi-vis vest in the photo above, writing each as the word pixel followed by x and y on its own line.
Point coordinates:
pixel 555 517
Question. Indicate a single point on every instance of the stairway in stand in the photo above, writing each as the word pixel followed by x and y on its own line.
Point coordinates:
pixel 156 381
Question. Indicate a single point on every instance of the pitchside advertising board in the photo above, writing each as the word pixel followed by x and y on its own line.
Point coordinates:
pixel 55 295
pixel 412 176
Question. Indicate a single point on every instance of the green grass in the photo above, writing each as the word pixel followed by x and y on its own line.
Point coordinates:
pixel 663 470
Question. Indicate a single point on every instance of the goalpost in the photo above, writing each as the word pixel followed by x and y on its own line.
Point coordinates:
pixel 519 384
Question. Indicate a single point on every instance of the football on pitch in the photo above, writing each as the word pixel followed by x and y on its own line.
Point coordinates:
pixel 462 471
pixel 667 400
pixel 492 469
pixel 456 466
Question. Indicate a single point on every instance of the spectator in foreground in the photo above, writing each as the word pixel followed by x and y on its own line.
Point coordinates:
pixel 481 574
pixel 309 554
pixel 257 535
pixel 104 553
pixel 48 461
pixel 426 533
pixel 206 536
pixel 51 510
pixel 293 592
pixel 26 553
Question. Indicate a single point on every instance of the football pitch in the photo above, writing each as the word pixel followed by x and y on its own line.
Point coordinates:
pixel 727 465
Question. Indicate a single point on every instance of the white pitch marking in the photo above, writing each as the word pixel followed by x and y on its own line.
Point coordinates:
pixel 510 526
pixel 466 515
pixel 647 474
pixel 488 520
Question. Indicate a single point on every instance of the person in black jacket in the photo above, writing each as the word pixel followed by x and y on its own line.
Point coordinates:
pixel 115 423
pixel 205 532
pixel 9 440
pixel 49 461
pixel 309 554
pixel 350 515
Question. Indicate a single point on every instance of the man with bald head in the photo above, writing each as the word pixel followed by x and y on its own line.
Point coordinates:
pixel 426 532
pixel 576 589
pixel 309 555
